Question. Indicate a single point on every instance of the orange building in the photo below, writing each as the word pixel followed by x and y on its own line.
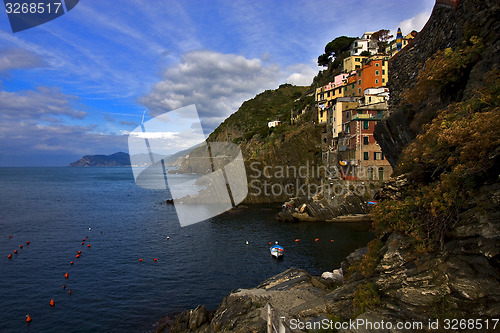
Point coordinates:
pixel 374 74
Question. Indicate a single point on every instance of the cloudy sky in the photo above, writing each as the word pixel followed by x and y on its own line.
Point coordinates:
pixel 79 84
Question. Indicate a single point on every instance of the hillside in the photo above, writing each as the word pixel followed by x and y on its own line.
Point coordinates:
pixel 287 145
pixel 117 159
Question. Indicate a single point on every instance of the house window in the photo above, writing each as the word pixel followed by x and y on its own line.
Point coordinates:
pixel 369 99
pixel 353 84
pixel 357 67
pixel 377 73
pixel 340 90
pixel 376 80
pixel 356 59
pixel 383 72
pixel 381 174
pixel 370 173
pixel 359 82
pixel 348 129
pixel 377 155
pixel 347 114
pixel 379 114
pixel 365 156
pixel 365 140
pixel 383 80
pixel 359 90
pixel 366 125
pixel 377 64
pixel 328 94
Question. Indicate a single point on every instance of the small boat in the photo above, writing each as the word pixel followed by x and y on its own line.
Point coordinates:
pixel 277 251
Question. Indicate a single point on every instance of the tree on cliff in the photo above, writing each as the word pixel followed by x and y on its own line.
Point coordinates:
pixel 335 49
pixel 382 37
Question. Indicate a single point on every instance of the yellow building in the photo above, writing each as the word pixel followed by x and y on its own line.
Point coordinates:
pixel 325 97
pixel 352 63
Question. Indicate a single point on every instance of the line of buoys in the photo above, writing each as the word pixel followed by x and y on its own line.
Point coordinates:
pixel 83 243
pixel 77 256
pixel 52 302
pixel 297 240
pixel 15 251
pixel 140 259
pixel 88 245
pixel 155 259
pixel 69 291
pixel 28 242
pixel 10 236
pixel 28 318
pixel 66 275
pixel 71 263
pixel 21 246
pixel 317 239
pixel 9 256
pixel 64 286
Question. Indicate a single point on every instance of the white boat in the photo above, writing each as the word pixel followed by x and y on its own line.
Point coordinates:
pixel 277 251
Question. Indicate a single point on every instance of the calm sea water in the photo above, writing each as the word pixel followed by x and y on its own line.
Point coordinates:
pixel 112 291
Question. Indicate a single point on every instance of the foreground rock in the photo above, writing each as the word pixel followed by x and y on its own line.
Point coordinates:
pixel 348 208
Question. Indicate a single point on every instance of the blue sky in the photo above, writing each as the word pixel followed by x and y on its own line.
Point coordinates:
pixel 78 84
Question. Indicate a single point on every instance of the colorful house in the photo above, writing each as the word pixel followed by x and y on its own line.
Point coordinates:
pixel 361 156
pixel 365 43
pixel 352 63
pixel 374 73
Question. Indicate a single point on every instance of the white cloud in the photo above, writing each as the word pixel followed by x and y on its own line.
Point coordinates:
pixel 17 58
pixel 216 83
pixel 302 74
pixel 417 22
pixel 44 103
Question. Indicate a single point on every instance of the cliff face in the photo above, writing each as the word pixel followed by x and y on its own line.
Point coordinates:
pixel 451 23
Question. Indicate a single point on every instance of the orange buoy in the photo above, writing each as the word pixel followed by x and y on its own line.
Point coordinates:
pixel 297 240
pixel 331 240
pixel 21 246
pixel 78 256
pixel 66 275
pixel 64 286
pixel 15 251
pixel 28 243
pixel 9 256
pixel 140 259
pixel 52 303
pixel 83 243
pixel 28 318
pixel 269 243
pixel 71 263
pixel 88 245
pixel 69 291
pixel 155 259
pixel 79 252
pixel 317 239
pixel 10 236
pixel 83 240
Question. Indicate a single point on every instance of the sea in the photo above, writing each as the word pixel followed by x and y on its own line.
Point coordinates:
pixel 112 290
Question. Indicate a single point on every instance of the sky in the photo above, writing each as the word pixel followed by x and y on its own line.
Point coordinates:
pixel 79 84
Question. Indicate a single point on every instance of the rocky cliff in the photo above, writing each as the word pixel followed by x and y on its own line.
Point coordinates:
pixel 452 23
